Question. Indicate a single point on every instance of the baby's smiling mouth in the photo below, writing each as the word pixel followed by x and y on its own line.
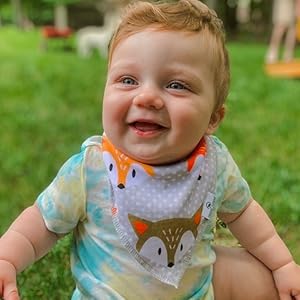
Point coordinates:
pixel 146 126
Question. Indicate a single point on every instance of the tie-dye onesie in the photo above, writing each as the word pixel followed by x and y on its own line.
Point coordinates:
pixel 122 246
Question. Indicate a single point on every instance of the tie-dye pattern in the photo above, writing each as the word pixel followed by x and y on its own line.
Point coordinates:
pixel 79 200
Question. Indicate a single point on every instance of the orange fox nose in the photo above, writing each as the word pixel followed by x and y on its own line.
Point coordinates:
pixel 170 264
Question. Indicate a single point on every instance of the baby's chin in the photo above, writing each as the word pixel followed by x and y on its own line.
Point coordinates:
pixel 149 153
pixel 151 158
pixel 146 158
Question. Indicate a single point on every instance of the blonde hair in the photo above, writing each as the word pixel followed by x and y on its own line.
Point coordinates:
pixel 182 15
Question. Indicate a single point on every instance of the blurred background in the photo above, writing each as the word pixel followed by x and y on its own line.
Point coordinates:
pixel 240 16
pixel 52 76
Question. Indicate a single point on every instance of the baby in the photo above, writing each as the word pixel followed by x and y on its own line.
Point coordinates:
pixel 142 200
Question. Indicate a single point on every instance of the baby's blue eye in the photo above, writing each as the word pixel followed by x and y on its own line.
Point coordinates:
pixel 129 81
pixel 176 85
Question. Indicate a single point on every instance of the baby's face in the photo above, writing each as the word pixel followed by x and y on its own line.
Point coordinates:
pixel 159 95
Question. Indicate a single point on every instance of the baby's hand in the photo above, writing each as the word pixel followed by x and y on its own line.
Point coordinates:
pixel 287 280
pixel 8 281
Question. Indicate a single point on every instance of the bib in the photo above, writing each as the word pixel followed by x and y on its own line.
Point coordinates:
pixel 160 211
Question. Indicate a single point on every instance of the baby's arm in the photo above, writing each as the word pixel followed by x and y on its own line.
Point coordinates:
pixel 26 240
pixel 255 231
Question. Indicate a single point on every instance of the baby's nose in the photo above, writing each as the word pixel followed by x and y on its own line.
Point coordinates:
pixel 149 100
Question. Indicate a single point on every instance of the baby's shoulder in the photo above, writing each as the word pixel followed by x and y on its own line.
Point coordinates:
pixel 220 148
pixel 223 156
pixel 92 151
pixel 92 143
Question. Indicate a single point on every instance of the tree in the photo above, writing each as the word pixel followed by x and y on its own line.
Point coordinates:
pixel 60 12
pixel 17 12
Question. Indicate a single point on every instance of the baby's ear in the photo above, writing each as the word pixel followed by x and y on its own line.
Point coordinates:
pixel 215 120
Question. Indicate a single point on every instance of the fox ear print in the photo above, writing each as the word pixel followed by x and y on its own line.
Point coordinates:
pixel 140 226
pixel 197 216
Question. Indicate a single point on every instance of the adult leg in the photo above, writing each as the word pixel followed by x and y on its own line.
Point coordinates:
pixel 275 42
pixel 240 276
pixel 290 42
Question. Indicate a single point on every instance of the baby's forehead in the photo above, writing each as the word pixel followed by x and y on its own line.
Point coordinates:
pixel 206 41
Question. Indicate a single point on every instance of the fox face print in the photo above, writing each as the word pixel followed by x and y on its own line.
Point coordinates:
pixel 166 241
pixel 123 171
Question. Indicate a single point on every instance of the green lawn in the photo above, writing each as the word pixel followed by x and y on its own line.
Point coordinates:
pixel 51 101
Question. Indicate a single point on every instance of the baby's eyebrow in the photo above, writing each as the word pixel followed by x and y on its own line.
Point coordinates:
pixel 188 76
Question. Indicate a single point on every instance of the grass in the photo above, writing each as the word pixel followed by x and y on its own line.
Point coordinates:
pixel 51 101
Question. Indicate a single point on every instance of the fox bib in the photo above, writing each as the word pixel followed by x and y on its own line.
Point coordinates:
pixel 159 212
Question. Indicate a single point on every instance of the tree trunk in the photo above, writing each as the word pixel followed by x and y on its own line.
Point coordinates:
pixel 17 12
pixel 60 16
pixel 243 11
